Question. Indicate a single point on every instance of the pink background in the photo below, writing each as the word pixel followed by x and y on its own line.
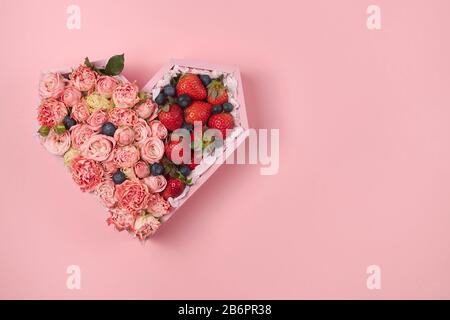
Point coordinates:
pixel 364 166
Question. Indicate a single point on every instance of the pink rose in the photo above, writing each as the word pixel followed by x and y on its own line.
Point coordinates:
pixel 152 150
pixel 155 183
pixel 57 144
pixel 158 129
pixel 141 169
pixel 124 136
pixel 83 78
pixel 142 131
pixel 147 110
pixel 145 226
pixel 123 117
pixel 132 195
pixel 125 95
pixel 97 119
pixel 86 173
pixel 51 86
pixel 106 85
pixel 98 147
pixel 126 157
pixel 105 191
pixel 121 219
pixel 80 111
pixel 71 96
pixel 157 206
pixel 110 167
pixel 51 112
pixel 79 134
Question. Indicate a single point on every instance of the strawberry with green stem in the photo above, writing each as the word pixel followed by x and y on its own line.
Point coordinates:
pixel 221 122
pixel 171 116
pixel 197 111
pixel 174 188
pixel 191 85
pixel 217 93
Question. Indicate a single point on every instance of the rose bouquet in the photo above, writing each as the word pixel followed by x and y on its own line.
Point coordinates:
pixel 138 151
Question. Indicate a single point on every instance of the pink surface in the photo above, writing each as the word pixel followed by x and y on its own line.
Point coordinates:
pixel 364 166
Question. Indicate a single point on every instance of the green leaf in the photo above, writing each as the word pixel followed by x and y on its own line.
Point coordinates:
pixel 170 101
pixel 88 64
pixel 143 95
pixel 44 131
pixel 166 106
pixel 169 166
pixel 60 129
pixel 172 170
pixel 174 80
pixel 178 175
pixel 115 65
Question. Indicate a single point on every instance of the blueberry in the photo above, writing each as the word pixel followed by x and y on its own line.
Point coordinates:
pixel 184 101
pixel 187 126
pixel 119 177
pixel 169 90
pixel 108 129
pixel 184 170
pixel 157 169
pixel 205 79
pixel 69 122
pixel 227 107
pixel 216 109
pixel 160 99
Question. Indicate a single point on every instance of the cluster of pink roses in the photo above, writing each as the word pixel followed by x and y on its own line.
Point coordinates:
pixel 74 108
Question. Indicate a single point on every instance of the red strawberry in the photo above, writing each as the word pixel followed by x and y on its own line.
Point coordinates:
pixel 192 165
pixel 222 122
pixel 197 111
pixel 191 85
pixel 217 93
pixel 169 148
pixel 173 189
pixel 173 118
